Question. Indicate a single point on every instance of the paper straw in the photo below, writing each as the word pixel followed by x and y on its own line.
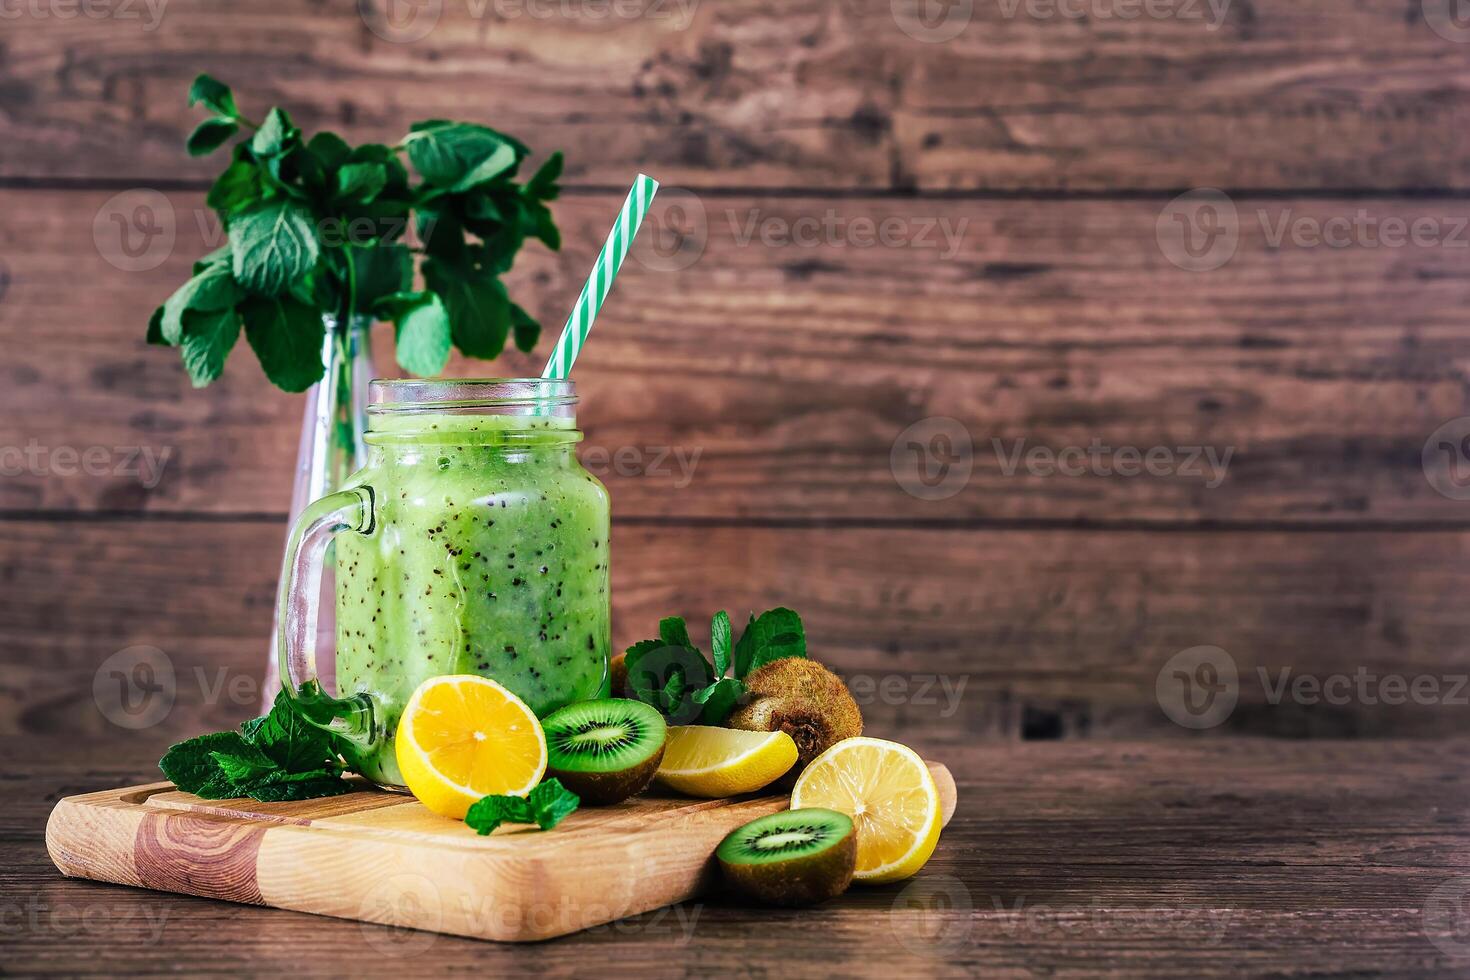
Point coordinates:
pixel 604 270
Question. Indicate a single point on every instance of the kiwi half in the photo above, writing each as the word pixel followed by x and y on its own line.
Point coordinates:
pixel 604 751
pixel 803 699
pixel 796 857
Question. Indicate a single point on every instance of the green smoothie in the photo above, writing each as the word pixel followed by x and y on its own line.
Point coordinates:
pixel 489 555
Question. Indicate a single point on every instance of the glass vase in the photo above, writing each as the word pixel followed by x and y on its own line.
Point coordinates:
pixel 331 449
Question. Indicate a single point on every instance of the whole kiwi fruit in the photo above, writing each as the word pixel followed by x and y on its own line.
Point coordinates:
pixel 803 699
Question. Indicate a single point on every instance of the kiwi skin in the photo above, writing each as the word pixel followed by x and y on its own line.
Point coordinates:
pixel 604 788
pixel 803 699
pixel 804 880
pixel 618 676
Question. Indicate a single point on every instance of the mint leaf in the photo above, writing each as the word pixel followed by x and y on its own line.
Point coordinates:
pixel 671 695
pixel 246 764
pixel 488 813
pixel 155 329
pixel 479 309
pixel 273 245
pixel 210 135
pixel 542 186
pixel 304 789
pixel 546 806
pixel 214 95
pixel 275 135
pixel 287 337
pixel 662 675
pixel 674 632
pixel 443 238
pixel 774 635
pixel 208 338
pixel 545 228
pixel 212 289
pixel 423 335
pixel 637 650
pixel 235 189
pixel 279 756
pixel 330 150
pixel 301 164
pixel 718 700
pixel 458 156
pixel 218 259
pixel 359 183
pixel 292 742
pixel 551 803
pixel 381 271
pixel 190 764
pixel 527 330
pixel 719 641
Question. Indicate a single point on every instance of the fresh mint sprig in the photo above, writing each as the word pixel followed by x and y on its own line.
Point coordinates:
pixel 673 675
pixel 278 756
pixel 545 806
pixel 317 226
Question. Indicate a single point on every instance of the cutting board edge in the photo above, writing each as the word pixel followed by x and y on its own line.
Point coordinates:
pixel 115 836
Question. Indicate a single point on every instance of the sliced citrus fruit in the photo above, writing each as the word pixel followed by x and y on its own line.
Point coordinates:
pixel 462 737
pixel 890 795
pixel 704 761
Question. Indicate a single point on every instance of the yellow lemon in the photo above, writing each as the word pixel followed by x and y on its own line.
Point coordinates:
pixel 890 795
pixel 704 761
pixel 462 737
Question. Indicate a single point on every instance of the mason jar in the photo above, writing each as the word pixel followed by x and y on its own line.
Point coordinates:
pixel 472 542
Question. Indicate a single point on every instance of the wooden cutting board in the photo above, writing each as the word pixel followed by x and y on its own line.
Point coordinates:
pixel 381 857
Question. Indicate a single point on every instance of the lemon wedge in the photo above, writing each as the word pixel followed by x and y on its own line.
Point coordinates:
pixel 462 737
pixel 890 795
pixel 701 760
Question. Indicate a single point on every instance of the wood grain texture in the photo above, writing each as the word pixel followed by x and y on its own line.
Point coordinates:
pixel 946 636
pixel 1205 858
pixel 391 861
pixel 1266 94
pixel 773 378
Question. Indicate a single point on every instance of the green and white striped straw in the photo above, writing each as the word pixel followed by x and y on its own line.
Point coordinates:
pixel 604 270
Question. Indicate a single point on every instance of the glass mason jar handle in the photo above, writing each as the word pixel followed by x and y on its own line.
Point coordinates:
pixel 352 717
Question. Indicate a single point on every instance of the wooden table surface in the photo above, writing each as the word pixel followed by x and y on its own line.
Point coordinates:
pixel 1187 857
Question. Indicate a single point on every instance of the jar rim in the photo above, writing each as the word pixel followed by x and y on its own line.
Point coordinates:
pixel 554 397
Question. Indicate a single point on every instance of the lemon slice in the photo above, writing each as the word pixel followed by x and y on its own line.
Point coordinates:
pixel 890 795
pixel 704 761
pixel 462 737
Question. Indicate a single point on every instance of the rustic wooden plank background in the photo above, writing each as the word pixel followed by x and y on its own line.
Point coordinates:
pixel 1029 291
